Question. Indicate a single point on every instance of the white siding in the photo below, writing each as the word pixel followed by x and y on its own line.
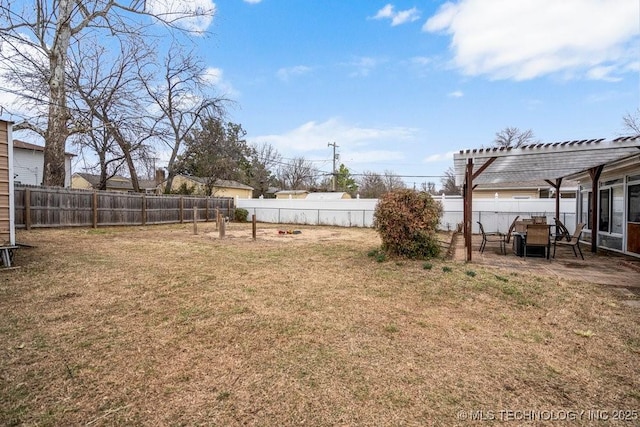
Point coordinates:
pixel 28 166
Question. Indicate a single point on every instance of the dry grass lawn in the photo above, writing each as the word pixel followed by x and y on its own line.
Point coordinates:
pixel 157 326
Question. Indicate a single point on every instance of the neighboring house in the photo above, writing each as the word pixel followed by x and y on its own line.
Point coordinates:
pixel 291 194
pixel 7 220
pixel 328 196
pixel 118 183
pixel 221 188
pixel 28 164
pixel 525 190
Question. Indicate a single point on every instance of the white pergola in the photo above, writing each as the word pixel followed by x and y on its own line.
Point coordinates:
pixel 551 162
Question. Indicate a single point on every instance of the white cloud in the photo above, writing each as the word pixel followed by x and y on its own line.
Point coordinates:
pixel 456 94
pixel 192 15
pixel 439 157
pixel 372 156
pixel 285 74
pixel 214 77
pixel 397 18
pixel 525 39
pixel 314 135
pixel 364 65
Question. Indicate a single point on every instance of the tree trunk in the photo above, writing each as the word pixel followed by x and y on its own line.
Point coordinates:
pixel 57 130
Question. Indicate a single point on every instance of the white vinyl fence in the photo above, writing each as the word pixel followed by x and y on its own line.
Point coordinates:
pixel 495 214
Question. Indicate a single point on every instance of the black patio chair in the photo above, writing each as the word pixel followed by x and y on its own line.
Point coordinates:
pixel 561 231
pixel 512 227
pixel 492 237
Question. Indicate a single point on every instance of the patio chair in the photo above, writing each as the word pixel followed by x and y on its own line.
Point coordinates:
pixel 561 231
pixel 538 236
pixel 507 239
pixel 539 219
pixel 574 242
pixel 492 237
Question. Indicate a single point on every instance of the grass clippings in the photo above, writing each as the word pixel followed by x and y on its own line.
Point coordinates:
pixel 157 326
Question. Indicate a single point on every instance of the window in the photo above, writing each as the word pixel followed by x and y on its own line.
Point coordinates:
pixel 634 203
pixel 585 208
pixel 611 208
pixel 605 210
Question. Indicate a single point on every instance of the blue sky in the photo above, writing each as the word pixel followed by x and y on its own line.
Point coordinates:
pixel 400 86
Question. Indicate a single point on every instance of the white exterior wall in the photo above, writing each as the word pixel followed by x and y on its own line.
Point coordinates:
pixel 28 167
pixel 495 214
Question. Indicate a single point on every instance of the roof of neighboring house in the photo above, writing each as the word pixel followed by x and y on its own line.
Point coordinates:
pixel 117 182
pixel 326 196
pixel 292 192
pixel 29 146
pixel 220 183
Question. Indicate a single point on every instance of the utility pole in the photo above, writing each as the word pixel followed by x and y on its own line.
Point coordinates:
pixel 335 157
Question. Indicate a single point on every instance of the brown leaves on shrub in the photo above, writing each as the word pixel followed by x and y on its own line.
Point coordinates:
pixel 407 222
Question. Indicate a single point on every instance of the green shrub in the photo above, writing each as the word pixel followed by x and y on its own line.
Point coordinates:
pixel 407 221
pixel 240 215
pixel 447 269
pixel 427 266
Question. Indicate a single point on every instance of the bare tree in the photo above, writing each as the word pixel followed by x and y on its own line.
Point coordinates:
pixel 106 89
pixel 448 182
pixel 51 28
pixel 514 137
pixel 297 174
pixel 392 181
pixel 631 123
pixel 373 185
pixel 181 100
pixel 265 160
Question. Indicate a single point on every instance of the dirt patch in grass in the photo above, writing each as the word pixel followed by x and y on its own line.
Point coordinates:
pixel 157 326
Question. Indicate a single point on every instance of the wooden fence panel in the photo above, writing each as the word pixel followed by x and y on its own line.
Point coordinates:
pixel 60 207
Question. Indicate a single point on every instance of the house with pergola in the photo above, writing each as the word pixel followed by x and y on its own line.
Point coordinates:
pixel 607 172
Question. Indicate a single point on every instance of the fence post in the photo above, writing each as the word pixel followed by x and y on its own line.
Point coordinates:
pixel 144 210
pixel 94 207
pixel 206 209
pixel 181 213
pixel 217 218
pixel 253 226
pixel 195 220
pixel 27 208
pixel 223 226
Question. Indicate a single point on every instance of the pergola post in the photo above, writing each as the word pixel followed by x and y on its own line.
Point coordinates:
pixel 468 203
pixel 594 173
pixel 556 187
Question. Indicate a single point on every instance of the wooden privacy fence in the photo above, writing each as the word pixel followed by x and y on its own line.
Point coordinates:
pixel 61 207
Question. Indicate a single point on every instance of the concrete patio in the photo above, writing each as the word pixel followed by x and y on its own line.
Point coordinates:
pixel 604 268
